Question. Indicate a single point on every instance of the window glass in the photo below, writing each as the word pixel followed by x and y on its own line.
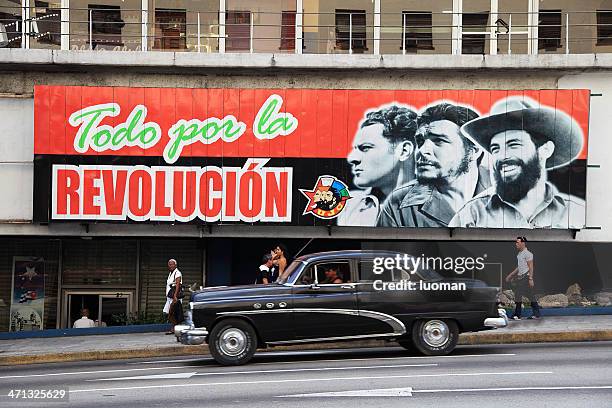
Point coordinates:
pixel 338 26
pixel 115 25
pixel 326 273
pixel 267 25
pixel 425 25
pixel 10 17
pixel 45 25
pixel 173 25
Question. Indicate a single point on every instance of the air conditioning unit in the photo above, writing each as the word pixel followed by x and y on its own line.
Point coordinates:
pixel 3 36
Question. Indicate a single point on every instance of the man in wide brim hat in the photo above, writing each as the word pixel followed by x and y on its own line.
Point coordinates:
pixel 542 123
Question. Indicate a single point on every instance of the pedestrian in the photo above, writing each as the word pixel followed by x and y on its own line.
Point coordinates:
pixel 263 273
pixel 280 256
pixel 84 322
pixel 173 306
pixel 523 274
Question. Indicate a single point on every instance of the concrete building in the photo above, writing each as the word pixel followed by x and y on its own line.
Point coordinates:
pixel 368 53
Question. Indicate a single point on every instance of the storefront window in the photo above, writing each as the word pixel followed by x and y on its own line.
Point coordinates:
pixel 113 25
pixel 338 26
pixel 173 25
pixel 99 263
pixel 266 26
pixel 420 27
pixel 10 18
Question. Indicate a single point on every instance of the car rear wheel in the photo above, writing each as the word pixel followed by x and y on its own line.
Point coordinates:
pixel 435 337
pixel 232 342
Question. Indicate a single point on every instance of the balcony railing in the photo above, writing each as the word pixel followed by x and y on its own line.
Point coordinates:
pixel 113 28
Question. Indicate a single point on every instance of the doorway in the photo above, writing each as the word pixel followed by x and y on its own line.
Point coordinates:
pixel 109 308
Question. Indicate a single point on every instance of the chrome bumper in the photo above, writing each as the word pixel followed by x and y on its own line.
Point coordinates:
pixel 495 322
pixel 189 335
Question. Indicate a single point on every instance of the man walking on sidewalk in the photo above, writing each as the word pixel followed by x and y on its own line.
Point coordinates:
pixel 524 279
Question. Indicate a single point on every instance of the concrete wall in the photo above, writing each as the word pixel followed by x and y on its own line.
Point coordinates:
pixel 17 124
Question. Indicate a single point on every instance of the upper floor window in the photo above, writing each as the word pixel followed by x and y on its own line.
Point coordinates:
pixel 604 27
pixel 549 30
pixel 351 25
pixel 238 30
pixel 477 23
pixel 417 30
pixel 287 41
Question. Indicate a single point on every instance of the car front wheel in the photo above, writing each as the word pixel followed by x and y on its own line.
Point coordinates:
pixel 435 337
pixel 232 342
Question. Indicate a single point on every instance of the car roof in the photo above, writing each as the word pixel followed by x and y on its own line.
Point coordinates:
pixel 352 253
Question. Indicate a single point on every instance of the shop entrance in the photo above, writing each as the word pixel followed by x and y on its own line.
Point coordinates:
pixel 105 308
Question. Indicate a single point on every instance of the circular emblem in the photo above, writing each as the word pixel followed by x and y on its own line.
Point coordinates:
pixel 282 304
pixel 269 305
pixel 257 306
pixel 327 199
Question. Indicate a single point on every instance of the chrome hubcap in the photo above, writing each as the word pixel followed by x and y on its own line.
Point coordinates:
pixel 233 341
pixel 435 333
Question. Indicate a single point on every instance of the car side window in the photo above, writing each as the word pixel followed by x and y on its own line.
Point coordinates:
pixel 307 277
pixel 328 273
pixel 369 272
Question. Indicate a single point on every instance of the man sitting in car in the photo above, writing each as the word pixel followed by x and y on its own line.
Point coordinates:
pixel 331 275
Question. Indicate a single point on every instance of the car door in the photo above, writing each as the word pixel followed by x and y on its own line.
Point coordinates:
pixel 389 309
pixel 322 309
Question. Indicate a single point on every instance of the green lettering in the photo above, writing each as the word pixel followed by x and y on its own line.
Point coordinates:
pixel 263 119
pixel 95 119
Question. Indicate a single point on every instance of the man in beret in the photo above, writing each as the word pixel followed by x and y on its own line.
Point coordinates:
pixel 525 141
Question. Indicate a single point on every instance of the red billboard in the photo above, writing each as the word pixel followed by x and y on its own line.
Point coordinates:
pixel 401 158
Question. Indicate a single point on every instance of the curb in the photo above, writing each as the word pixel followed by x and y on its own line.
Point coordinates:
pixel 167 351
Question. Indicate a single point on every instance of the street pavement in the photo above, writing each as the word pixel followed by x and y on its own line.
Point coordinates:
pixel 541 375
pixel 75 348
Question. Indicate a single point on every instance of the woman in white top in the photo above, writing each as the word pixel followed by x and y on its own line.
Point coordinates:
pixel 175 277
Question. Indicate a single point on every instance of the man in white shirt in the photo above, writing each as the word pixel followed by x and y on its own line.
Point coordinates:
pixel 524 279
pixel 84 322
pixel 175 277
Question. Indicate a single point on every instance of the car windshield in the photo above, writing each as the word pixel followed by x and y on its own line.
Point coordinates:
pixel 290 273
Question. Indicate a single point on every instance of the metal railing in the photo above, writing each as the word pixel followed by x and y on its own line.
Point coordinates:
pixel 285 32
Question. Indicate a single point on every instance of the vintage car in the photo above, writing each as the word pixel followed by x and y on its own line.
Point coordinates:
pixel 341 295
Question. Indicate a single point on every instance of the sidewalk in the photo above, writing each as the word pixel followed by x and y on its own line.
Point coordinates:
pixel 58 349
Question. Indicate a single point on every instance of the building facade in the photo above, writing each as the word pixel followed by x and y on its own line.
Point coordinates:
pixel 209 132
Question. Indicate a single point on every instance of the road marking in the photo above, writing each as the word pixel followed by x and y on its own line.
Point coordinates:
pixel 387 358
pixel 94 372
pixel 381 392
pixel 150 377
pixel 408 391
pixel 551 388
pixel 172 361
pixel 278 354
pixel 145 377
pixel 384 377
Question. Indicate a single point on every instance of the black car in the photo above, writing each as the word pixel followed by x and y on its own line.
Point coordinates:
pixel 341 295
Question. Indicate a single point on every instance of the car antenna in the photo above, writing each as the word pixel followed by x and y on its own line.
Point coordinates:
pixel 303 248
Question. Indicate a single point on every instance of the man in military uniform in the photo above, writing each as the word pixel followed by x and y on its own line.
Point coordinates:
pixel 447 172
